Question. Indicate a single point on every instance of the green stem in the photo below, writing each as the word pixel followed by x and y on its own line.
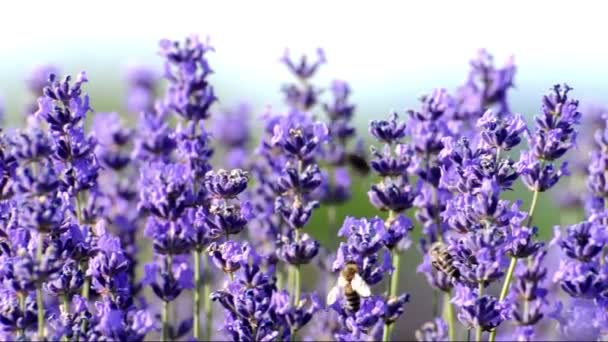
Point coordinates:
pixel 166 304
pixel 508 277
pixel 393 283
pixel 66 310
pixel 532 207
pixel 39 298
pixel 290 278
pixel 78 208
pixel 395 275
pixel 66 303
pixel 22 308
pixel 165 321
pixel 87 282
pixel 84 265
pixel 197 295
pixel 40 305
pixel 450 317
pixel 386 333
pixel 297 286
pixel 479 330
pixel 207 303
pixel 513 263
pixel 280 279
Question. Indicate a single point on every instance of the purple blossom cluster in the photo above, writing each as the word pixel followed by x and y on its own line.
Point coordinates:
pixel 176 227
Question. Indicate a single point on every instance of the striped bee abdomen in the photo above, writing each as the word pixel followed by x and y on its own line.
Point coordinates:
pixel 442 260
pixel 353 300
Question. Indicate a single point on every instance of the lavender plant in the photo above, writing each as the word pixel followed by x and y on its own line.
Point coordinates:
pixel 237 227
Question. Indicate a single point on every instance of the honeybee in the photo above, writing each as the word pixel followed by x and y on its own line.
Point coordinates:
pixel 358 162
pixel 352 286
pixel 442 260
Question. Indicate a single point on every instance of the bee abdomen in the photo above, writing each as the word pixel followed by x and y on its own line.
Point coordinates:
pixel 353 301
pixel 442 261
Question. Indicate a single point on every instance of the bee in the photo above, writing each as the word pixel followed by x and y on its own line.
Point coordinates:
pixel 358 162
pixel 442 260
pixel 352 286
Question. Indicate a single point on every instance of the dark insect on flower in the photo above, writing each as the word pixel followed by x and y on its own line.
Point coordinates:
pixel 442 260
pixel 352 286
pixel 359 163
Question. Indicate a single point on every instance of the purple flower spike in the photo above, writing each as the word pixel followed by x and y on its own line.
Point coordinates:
pixel 299 252
pixel 388 131
pixel 226 184
pixel 141 83
pixel 394 195
pixel 484 311
pixel 186 68
pixel 228 256
pixel 303 69
pixel 164 190
pixel 433 331
pixel 365 236
pixel 501 132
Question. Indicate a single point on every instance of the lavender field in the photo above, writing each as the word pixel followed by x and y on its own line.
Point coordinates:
pixel 170 200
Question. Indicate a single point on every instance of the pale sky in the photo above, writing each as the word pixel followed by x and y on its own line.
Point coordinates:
pixel 382 47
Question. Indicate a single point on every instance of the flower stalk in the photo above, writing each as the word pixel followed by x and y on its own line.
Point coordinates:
pixel 513 262
pixel 197 295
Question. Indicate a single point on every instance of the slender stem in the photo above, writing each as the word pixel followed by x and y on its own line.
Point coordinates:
pixel 84 265
pixel 197 295
pixel 87 282
pixel 386 332
pixel 22 297
pixel 296 297
pixel 39 298
pixel 508 277
pixel 393 282
pixel 207 303
pixel 65 307
pixel 78 208
pixel 532 207
pixel 513 263
pixel 66 303
pixel 165 321
pixel 290 276
pixel 450 317
pixel 296 284
pixel 395 275
pixel 40 305
pixel 479 330
pixel 468 335
pixel 280 279
pixel 165 311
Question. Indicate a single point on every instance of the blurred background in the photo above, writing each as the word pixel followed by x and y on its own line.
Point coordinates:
pixel 390 53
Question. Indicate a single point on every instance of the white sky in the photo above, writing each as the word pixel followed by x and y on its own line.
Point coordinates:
pixel 368 43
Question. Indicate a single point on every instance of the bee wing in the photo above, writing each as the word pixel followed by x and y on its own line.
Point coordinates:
pixel 333 294
pixel 360 286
